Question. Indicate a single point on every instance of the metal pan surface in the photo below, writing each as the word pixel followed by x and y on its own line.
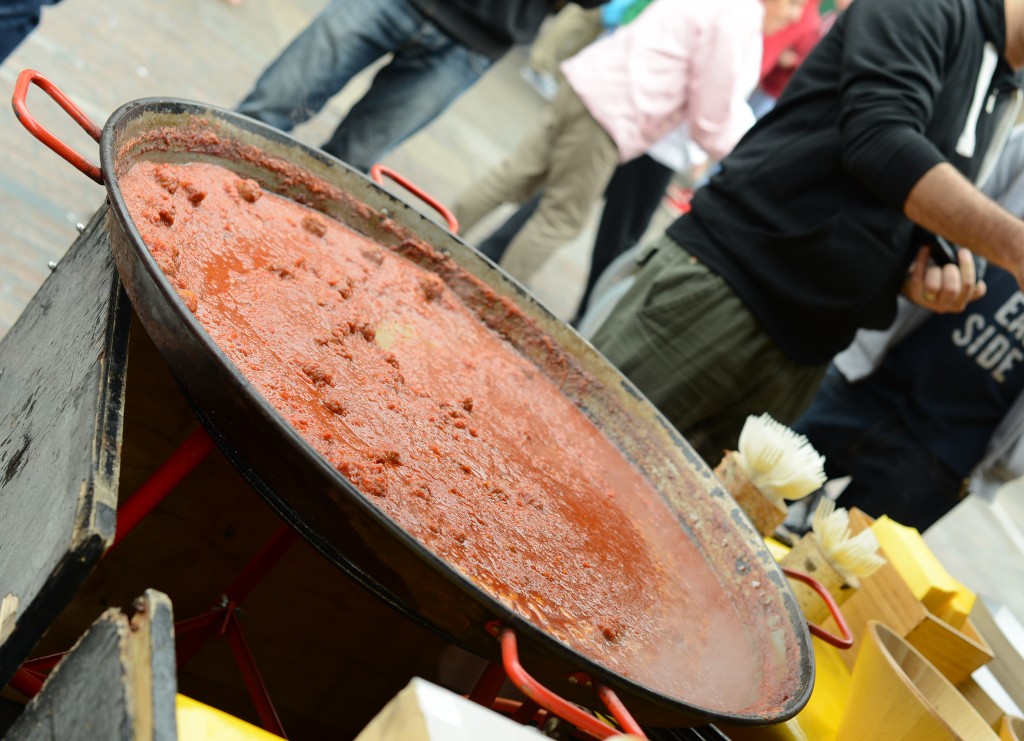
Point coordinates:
pixel 340 521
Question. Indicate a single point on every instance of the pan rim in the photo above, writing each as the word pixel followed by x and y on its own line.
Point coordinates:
pixel 269 414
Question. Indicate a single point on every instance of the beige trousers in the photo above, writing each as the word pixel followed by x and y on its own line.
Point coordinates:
pixel 570 158
pixel 563 35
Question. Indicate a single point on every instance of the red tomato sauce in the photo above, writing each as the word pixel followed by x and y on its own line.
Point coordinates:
pixel 446 428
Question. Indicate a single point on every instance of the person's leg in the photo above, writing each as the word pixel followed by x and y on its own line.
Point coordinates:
pixel 17 20
pixel 614 283
pixel 346 37
pixel 583 159
pixel 495 245
pixel 564 34
pixel 695 350
pixel 518 177
pixel 837 418
pixel 426 75
pixel 771 384
pixel 864 437
pixel 543 57
pixel 892 474
pixel 631 199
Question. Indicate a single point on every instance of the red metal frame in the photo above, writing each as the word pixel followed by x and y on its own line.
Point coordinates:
pixel 489 685
pixel 188 455
pixel 545 698
pixel 619 711
pixel 194 632
pixel 27 682
pixel 223 621
pixel 510 707
pixel 843 642
pixel 378 172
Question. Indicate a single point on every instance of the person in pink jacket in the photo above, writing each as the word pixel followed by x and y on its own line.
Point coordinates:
pixel 689 61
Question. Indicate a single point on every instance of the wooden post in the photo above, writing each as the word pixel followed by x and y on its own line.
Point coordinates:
pixel 806 556
pixel 765 512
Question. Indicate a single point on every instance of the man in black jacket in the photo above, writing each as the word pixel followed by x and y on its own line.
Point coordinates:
pixel 439 48
pixel 808 232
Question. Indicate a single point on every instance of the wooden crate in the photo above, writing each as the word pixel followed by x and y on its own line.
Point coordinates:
pixel 885 596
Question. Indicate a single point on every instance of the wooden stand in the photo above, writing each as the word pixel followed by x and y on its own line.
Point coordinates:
pixel 885 597
pixel 806 556
pixel 766 513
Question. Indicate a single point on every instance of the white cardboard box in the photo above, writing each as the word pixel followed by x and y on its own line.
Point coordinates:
pixel 425 712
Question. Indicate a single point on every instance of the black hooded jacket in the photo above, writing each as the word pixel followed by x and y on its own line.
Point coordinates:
pixel 491 27
pixel 805 220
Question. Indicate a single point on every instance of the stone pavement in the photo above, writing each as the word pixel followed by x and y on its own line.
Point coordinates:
pixel 104 54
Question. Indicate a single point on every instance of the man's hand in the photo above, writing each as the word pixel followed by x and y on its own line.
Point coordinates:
pixel 945 289
pixel 944 202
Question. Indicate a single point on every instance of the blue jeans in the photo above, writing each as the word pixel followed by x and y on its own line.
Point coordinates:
pixel 17 20
pixel 864 437
pixel 429 70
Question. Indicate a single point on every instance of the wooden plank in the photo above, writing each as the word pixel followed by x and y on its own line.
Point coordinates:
pixel 62 369
pixel 886 597
pixel 984 704
pixel 953 652
pixel 883 596
pixel 118 682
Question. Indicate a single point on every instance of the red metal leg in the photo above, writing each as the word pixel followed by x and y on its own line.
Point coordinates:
pixel 43 663
pixel 526 712
pixel 252 678
pixel 27 682
pixel 544 697
pixel 193 633
pixel 188 455
pixel 487 687
pixel 619 711
pixel 193 450
pixel 509 707
pixel 257 568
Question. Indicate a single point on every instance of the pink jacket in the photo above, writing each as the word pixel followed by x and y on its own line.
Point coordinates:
pixel 681 60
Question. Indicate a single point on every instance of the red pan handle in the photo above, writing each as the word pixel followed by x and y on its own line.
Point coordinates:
pixel 846 641
pixel 554 704
pixel 377 172
pixel 30 76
